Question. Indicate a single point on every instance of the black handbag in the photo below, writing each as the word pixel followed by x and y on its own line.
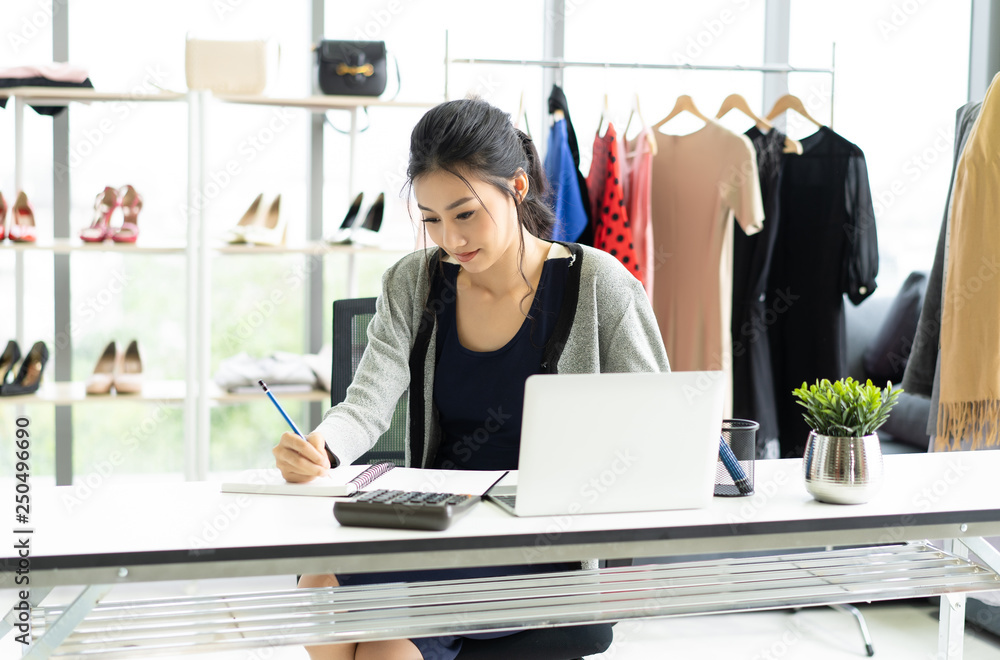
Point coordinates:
pixel 352 68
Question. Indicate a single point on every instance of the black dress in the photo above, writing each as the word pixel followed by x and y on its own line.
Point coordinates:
pixel 753 384
pixel 826 247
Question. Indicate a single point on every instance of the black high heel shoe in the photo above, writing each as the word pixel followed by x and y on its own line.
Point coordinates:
pixel 367 233
pixel 29 376
pixel 8 359
pixel 343 234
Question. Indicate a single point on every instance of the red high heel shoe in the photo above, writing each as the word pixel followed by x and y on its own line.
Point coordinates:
pixel 22 224
pixel 104 206
pixel 3 217
pixel 131 203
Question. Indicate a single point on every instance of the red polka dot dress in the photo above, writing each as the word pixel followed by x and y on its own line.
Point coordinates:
pixel 612 230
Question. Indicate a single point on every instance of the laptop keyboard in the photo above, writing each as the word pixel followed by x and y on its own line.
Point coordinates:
pixel 509 500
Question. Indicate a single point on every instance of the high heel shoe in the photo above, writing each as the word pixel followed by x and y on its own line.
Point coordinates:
pixel 22 224
pixel 3 217
pixel 238 234
pixel 131 203
pixel 29 376
pixel 367 233
pixel 103 378
pixel 343 234
pixel 104 207
pixel 273 230
pixel 10 356
pixel 128 374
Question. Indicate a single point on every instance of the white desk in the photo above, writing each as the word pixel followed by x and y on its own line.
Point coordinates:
pixel 192 531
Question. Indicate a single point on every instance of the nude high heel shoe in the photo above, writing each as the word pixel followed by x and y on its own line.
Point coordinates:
pixel 103 378
pixel 273 230
pixel 252 217
pixel 128 375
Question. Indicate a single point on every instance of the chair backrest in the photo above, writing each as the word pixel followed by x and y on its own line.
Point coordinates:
pixel 350 338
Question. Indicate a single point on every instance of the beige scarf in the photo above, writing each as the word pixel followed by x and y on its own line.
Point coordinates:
pixel 970 319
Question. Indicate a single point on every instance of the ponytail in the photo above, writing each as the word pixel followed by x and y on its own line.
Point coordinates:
pixel 472 137
pixel 534 212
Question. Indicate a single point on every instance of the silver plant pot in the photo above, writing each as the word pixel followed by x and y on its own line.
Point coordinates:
pixel 842 470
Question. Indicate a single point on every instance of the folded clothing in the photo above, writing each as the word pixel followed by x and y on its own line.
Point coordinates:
pixel 41 81
pixel 54 71
pixel 279 370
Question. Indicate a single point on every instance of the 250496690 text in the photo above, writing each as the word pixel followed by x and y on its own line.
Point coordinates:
pixel 22 530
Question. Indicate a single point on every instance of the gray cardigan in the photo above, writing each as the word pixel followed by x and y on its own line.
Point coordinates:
pixel 606 325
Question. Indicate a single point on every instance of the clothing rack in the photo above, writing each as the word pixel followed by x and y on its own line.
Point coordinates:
pixel 561 64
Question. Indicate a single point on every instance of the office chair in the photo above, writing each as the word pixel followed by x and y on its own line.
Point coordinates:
pixel 350 337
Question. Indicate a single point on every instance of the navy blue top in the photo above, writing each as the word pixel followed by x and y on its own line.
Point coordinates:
pixel 480 394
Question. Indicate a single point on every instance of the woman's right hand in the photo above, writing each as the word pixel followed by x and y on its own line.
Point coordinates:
pixel 301 460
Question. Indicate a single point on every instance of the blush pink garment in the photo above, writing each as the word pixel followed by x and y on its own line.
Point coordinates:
pixel 55 71
pixel 638 161
pixel 698 182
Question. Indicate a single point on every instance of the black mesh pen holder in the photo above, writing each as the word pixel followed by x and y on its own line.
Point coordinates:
pixel 740 436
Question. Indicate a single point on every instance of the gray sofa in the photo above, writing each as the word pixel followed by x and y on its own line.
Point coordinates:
pixel 906 430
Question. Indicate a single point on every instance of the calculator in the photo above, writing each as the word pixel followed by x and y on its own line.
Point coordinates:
pixel 403 509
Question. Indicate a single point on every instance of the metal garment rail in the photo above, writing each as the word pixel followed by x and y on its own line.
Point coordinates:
pixel 307 616
pixel 568 64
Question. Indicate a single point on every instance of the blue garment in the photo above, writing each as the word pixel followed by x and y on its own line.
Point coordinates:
pixel 480 398
pixel 560 170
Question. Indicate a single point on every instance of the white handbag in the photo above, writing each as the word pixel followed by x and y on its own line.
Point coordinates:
pixel 226 67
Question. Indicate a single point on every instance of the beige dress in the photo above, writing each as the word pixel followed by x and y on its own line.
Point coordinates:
pixel 699 181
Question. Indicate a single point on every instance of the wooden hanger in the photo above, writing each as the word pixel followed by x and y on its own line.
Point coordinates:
pixel 791 102
pixel 684 102
pixel 605 114
pixel 522 114
pixel 636 112
pixel 737 102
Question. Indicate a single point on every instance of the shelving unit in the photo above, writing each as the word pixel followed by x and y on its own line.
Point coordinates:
pixel 197 392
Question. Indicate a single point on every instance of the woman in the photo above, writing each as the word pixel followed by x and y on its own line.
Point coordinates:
pixel 464 325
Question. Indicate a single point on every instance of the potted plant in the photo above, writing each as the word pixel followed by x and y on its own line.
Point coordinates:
pixel 843 460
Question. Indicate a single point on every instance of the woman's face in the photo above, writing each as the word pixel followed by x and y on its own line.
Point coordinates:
pixel 475 234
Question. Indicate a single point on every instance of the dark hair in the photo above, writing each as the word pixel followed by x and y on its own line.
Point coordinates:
pixel 471 137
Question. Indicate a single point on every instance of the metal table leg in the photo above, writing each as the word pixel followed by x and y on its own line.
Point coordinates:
pixel 10 619
pixel 45 645
pixel 856 613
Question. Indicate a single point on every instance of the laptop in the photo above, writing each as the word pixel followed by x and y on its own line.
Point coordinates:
pixel 614 443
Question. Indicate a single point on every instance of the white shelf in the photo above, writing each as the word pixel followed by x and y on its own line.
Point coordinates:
pixel 70 393
pixel 312 247
pixel 66 95
pixel 160 391
pixel 222 396
pixel 321 102
pixel 67 245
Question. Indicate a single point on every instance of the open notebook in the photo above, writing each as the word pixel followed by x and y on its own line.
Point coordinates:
pixel 338 482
